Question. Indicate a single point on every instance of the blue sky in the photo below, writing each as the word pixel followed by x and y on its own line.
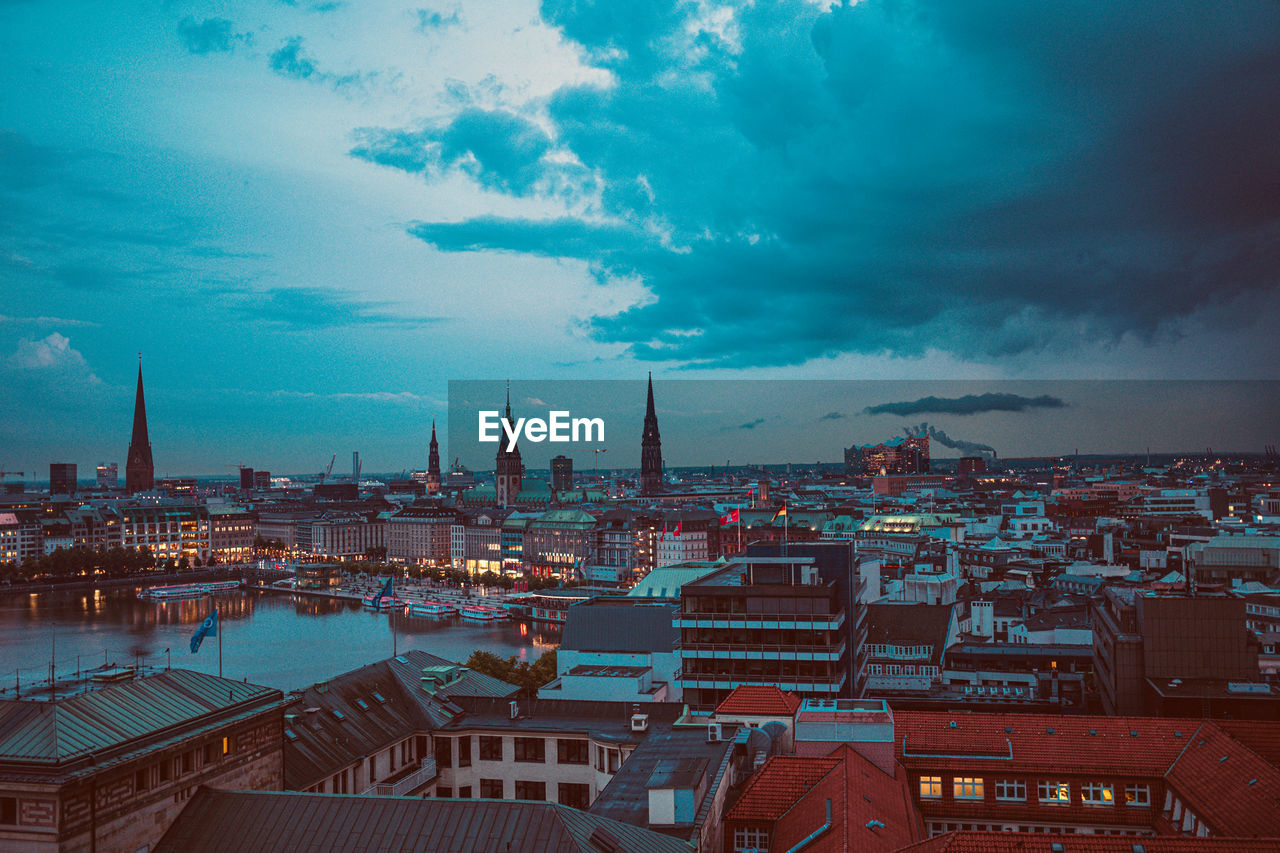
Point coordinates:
pixel 309 216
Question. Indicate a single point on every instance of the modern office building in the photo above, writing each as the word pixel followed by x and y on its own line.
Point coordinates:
pixel 62 478
pixel 762 620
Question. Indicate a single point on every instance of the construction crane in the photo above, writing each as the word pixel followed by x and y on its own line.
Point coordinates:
pixel 328 468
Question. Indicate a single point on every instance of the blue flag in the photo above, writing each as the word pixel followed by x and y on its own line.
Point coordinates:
pixel 386 590
pixel 208 627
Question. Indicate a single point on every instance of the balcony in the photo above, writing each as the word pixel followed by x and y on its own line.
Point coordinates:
pixel 410 780
pixel 762 651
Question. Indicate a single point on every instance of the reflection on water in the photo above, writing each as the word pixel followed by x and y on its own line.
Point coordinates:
pixel 280 640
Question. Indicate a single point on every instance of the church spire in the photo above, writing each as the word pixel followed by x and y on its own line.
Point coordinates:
pixel 139 470
pixel 433 462
pixel 650 449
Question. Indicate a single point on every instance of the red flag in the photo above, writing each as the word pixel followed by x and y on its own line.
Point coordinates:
pixel 751 491
pixel 677 533
pixel 730 518
pixel 664 532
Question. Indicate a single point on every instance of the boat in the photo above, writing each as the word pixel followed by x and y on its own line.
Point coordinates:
pixel 382 602
pixel 431 608
pixel 174 592
pixel 221 586
pixel 482 613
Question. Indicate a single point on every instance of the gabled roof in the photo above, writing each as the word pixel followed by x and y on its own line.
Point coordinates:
pixel 871 811
pixel 334 723
pixel 263 820
pixel 777 785
pixel 1233 789
pixel 114 717
pixel 761 699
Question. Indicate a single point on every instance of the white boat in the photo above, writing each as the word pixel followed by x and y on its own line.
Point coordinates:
pixel 431 608
pixel 174 592
pixel 382 602
pixel 482 613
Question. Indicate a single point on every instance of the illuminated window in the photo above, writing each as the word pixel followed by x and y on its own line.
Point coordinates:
pixel 1055 793
pixel 226 745
pixel 1137 795
pixel 930 787
pixel 1096 794
pixel 967 788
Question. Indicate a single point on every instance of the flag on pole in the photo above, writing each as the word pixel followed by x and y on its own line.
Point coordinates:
pixel 730 518
pixel 387 591
pixel 664 532
pixel 780 513
pixel 209 627
pixel 677 533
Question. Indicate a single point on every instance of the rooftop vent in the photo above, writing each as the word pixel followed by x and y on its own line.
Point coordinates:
pixel 515 709
pixel 639 722
pixel 954 725
pixel 1049 730
pixel 1133 732
pixel 1093 732
pixel 714 733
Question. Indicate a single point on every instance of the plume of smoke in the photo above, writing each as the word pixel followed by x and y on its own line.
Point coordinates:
pixel 969 448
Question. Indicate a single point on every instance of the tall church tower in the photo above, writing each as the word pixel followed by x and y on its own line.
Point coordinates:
pixel 433 463
pixel 508 469
pixel 650 450
pixel 139 471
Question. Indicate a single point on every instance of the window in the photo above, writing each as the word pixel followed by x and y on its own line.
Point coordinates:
pixel 531 790
pixel 142 779
pixel 464 752
pixel 464 793
pixel 530 749
pixel 751 839
pixel 1011 789
pixel 1137 795
pixel 967 788
pixel 444 751
pixel 1096 794
pixel 8 810
pixel 615 759
pixel 166 770
pixel 226 746
pixel 574 794
pixel 572 751
pixel 600 759
pixel 209 753
pixel 1055 793
pixel 491 789
pixel 930 787
pixel 490 748
pixel 444 792
pixel 188 761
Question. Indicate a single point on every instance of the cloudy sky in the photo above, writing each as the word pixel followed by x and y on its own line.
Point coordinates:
pixel 309 215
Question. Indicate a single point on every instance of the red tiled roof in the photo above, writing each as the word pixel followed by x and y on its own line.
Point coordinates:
pixel 1126 746
pixel 1022 842
pixel 762 699
pixel 1231 788
pixel 777 785
pixel 1261 737
pixel 872 812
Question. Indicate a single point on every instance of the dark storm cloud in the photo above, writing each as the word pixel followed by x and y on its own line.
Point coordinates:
pixel 212 35
pixel 969 404
pixel 751 424
pixel 979 177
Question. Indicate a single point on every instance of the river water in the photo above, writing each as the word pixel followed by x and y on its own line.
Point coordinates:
pixel 277 639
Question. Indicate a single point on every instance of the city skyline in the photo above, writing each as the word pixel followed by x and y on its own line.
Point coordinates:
pixel 312 216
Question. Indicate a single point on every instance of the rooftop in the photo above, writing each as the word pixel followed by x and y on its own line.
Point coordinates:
pixel 216 821
pixel 766 700
pixel 121 715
